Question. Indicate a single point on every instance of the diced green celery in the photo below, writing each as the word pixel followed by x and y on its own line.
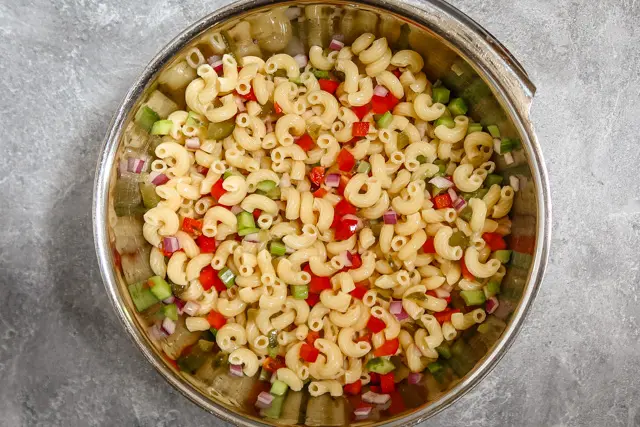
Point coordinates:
pixel 218 131
pixel 266 185
pixel 275 409
pixel 159 287
pixel 227 277
pixel 245 220
pixel 459 239
pixel 264 375
pixel 502 255
pixel 126 196
pixel 194 119
pixel 192 361
pixel 161 127
pixel 146 117
pixel 478 194
pixel 376 227
pixel 516 144
pixel 492 288
pixel 466 213
pixel 278 388
pixel 363 167
pixel 441 94
pixel 300 291
pixel 506 145
pixel 273 194
pixel 313 129
pixel 161 104
pixel 474 127
pixel 170 311
pixel 402 140
pixel 473 297
pixel 444 350
pixel 435 367
pixel 142 296
pixel 267 109
pixel 277 248
pixel 492 179
pixel 247 231
pixel 273 352
pixel 422 159
pixel 320 74
pixel 494 131
pixel 445 121
pixel 521 260
pixel 380 365
pixel 458 107
pixel 205 345
pixel 385 120
pixel 150 198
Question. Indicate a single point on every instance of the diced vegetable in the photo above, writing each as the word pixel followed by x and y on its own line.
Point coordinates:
pixel 221 130
pixel 309 353
pixel 363 167
pixel 493 179
pixel 429 247
pixel 380 365
pixel 299 291
pixel 458 107
pixel 502 255
pixel 445 316
pixel 375 325
pixel 345 160
pixel 386 383
pixel 361 111
pixel 170 311
pixel 305 142
pixel 360 128
pixel 161 127
pixel 435 367
pixel 217 190
pixel 385 120
pixel 328 85
pixel 266 185
pixel 441 94
pixel 264 376
pixel 146 117
pixel 506 145
pixel 273 194
pixel 320 74
pixel 442 201
pixel 142 296
pixel 206 244
pixel 227 277
pixel 495 241
pixel 388 348
pixel 277 248
pixel 445 121
pixel 150 198
pixel 159 287
pixel 275 409
pixel 494 131
pixel 216 320
pixel 474 127
pixel 278 388
pixel 444 350
pixel 317 175
pixel 459 239
pixel 473 297
pixel 492 288
pixel 354 388
pixel 346 228
pixel 246 223
pixel 319 284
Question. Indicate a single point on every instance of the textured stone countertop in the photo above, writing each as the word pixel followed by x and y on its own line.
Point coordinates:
pixel 65 360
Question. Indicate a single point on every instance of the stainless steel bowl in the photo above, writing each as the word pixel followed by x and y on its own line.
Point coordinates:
pixel 457 51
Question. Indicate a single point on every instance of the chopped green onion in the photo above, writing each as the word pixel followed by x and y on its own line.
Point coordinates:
pixel 385 120
pixel 422 159
pixel 459 239
pixel 277 248
pixel 491 289
pixel 146 117
pixel 492 179
pixel 245 220
pixel 227 277
pixel 458 107
pixel 161 127
pixel 320 74
pixel 380 365
pixel 494 131
pixel 502 255
pixel 221 130
pixel 364 167
pixel 266 185
pixel 446 121
pixel 441 94
pixel 142 296
pixel 159 287
pixel 474 127
pixel 300 291
pixel 473 297
pixel 506 145
pixel 278 388
pixel 170 311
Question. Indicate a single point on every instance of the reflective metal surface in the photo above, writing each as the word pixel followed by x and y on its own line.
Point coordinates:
pixel 457 51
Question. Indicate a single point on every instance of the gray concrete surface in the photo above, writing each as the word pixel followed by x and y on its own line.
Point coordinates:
pixel 65 360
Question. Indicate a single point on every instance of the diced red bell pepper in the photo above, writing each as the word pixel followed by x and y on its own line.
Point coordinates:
pixel 386 383
pixel 317 175
pixel 217 191
pixel 388 348
pixel 375 389
pixel 206 244
pixel 209 278
pixel 465 271
pixel 344 180
pixel 374 378
pixel 256 213
pixel 360 128
pixel 391 100
pixel 248 96
pixel 320 193
pixel 216 320
pixel 375 325
pixel 305 142
pixel 442 201
pixel 397 73
pixel 329 85
pixel 272 365
pixel 361 111
pixel 428 246
pixel 191 226
pixel 354 388
pixel 171 361
pixel 364 338
pixel 343 207
pixel 345 229
pixel 277 108
pixel 309 353
pixel 379 104
pixel 495 241
pixel 319 284
pixel 312 336
pixel 345 160
pixel 445 316
pixel 312 299
pixel 397 404
pixel 358 292
pixel 356 260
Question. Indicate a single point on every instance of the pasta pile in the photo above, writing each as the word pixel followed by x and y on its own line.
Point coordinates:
pixel 329 214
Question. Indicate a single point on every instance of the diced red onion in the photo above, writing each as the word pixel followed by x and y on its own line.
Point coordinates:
pixel 285 180
pixel 414 378
pixel 395 307
pixel 459 204
pixel 359 225
pixel 362 412
pixel 180 304
pixel 514 182
pixel 292 13
pixel 332 180
pixel 402 315
pixel 336 44
pixel 492 305
pixel 191 308
pixel 169 300
pixel 380 91
pixel 375 398
pixel 240 104
pixel 390 217
pixel 253 237
pixel 347 258
pixel 217 65
pixel 235 209
pixel 301 60
pixel 214 59
pixel 441 182
pixel 264 400
pixel 158 178
pixel 442 293
pixel 168 326
pixel 453 194
pixel 508 158
pixel 156 332
pixel 170 244
pixel 236 370
pixel 136 165
pixel 192 143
